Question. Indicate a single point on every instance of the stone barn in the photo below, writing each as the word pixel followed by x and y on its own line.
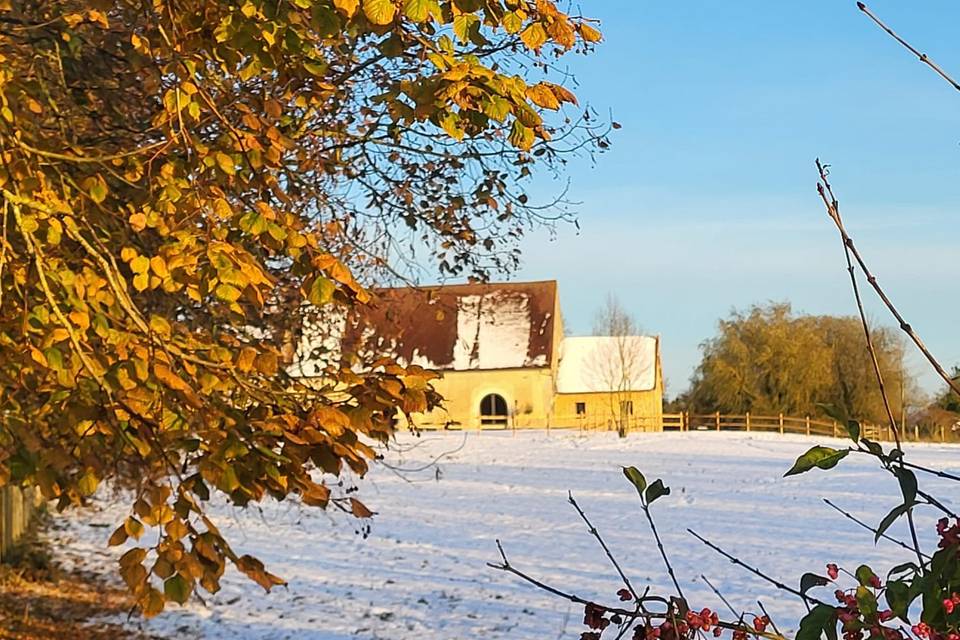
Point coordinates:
pixel 503 358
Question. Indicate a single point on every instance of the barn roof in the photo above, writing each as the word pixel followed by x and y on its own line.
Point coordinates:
pixel 594 364
pixel 460 327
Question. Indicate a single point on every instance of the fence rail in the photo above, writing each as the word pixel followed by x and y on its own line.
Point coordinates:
pixel 687 421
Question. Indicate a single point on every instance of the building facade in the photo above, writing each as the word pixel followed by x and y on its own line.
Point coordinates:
pixel 505 363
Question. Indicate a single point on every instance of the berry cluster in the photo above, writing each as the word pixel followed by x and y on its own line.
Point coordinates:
pixel 949 534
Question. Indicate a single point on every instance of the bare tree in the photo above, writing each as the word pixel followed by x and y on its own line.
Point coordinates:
pixel 616 362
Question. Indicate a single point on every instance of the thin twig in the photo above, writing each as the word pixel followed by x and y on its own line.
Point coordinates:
pixel 872 529
pixel 720 595
pixel 755 571
pixel 772 623
pixel 904 325
pixel 596 534
pixel 921 56
pixel 663 552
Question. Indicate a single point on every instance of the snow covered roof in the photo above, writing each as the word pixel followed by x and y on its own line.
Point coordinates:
pixel 602 364
pixel 461 327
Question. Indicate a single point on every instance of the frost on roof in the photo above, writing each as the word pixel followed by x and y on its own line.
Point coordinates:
pixel 460 327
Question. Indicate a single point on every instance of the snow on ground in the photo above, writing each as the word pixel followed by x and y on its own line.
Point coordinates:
pixel 422 572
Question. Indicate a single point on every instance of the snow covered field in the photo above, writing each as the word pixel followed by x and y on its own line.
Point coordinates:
pixel 422 572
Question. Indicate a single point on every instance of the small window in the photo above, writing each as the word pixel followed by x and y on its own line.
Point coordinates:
pixel 581 408
pixel 493 410
pixel 626 408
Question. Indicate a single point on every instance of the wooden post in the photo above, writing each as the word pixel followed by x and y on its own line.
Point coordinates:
pixel 748 421
pixel 808 425
pixel 916 432
pixel 942 439
pixel 834 428
pixel 718 421
pixel 781 423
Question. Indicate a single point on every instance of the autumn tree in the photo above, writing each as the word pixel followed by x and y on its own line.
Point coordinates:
pixel 616 362
pixel 183 182
pixel 769 360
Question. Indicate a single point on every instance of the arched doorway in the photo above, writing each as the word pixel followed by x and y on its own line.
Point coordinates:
pixel 493 410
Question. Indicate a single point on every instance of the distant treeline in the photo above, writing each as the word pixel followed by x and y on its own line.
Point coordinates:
pixel 769 360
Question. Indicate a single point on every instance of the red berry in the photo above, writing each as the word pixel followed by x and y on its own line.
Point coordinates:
pixel 833 571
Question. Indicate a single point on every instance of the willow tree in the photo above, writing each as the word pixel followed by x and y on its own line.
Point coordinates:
pixel 182 179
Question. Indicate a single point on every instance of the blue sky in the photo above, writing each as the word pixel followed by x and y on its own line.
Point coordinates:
pixel 707 199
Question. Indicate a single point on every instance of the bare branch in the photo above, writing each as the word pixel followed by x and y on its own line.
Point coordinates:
pixel 921 56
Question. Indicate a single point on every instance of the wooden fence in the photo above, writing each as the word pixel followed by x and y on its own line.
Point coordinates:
pixel 16 509
pixel 747 422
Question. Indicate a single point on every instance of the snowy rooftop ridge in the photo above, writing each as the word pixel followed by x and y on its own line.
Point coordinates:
pixel 598 364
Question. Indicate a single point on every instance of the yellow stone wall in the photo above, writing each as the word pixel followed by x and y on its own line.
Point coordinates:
pixel 602 408
pixel 528 393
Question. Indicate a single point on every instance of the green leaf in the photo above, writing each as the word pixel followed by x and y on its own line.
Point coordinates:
pixel 54 358
pixel 810 580
pixel 821 619
pixel 853 428
pixel 656 490
pixel 889 519
pixel 908 485
pixel 633 475
pixel 866 601
pixel 872 447
pixel 898 598
pixel 177 588
pixel 820 457
pixel 864 575
pixel 321 291
pixel 98 190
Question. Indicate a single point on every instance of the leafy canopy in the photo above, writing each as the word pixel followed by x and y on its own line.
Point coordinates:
pixel 184 182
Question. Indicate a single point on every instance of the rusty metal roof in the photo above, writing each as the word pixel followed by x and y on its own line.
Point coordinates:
pixel 460 327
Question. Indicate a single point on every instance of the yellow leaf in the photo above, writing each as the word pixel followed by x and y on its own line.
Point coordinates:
pixel 267 364
pixel 534 36
pixel 589 34
pixel 228 293
pixel 245 359
pixel 379 11
pixel 226 164
pixel 359 509
pixel 38 356
pixel 541 95
pixel 141 281
pixel 140 264
pixel 347 7
pixel 138 222
pixel 152 603
pixel 159 266
pixel 222 208
pixel 512 22
pixel 118 537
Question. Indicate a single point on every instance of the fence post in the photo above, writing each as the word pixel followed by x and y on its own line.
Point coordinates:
pixel 834 428
pixel 683 421
pixel 748 421
pixel 942 439
pixel 781 424
pixel 718 420
pixel 808 425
